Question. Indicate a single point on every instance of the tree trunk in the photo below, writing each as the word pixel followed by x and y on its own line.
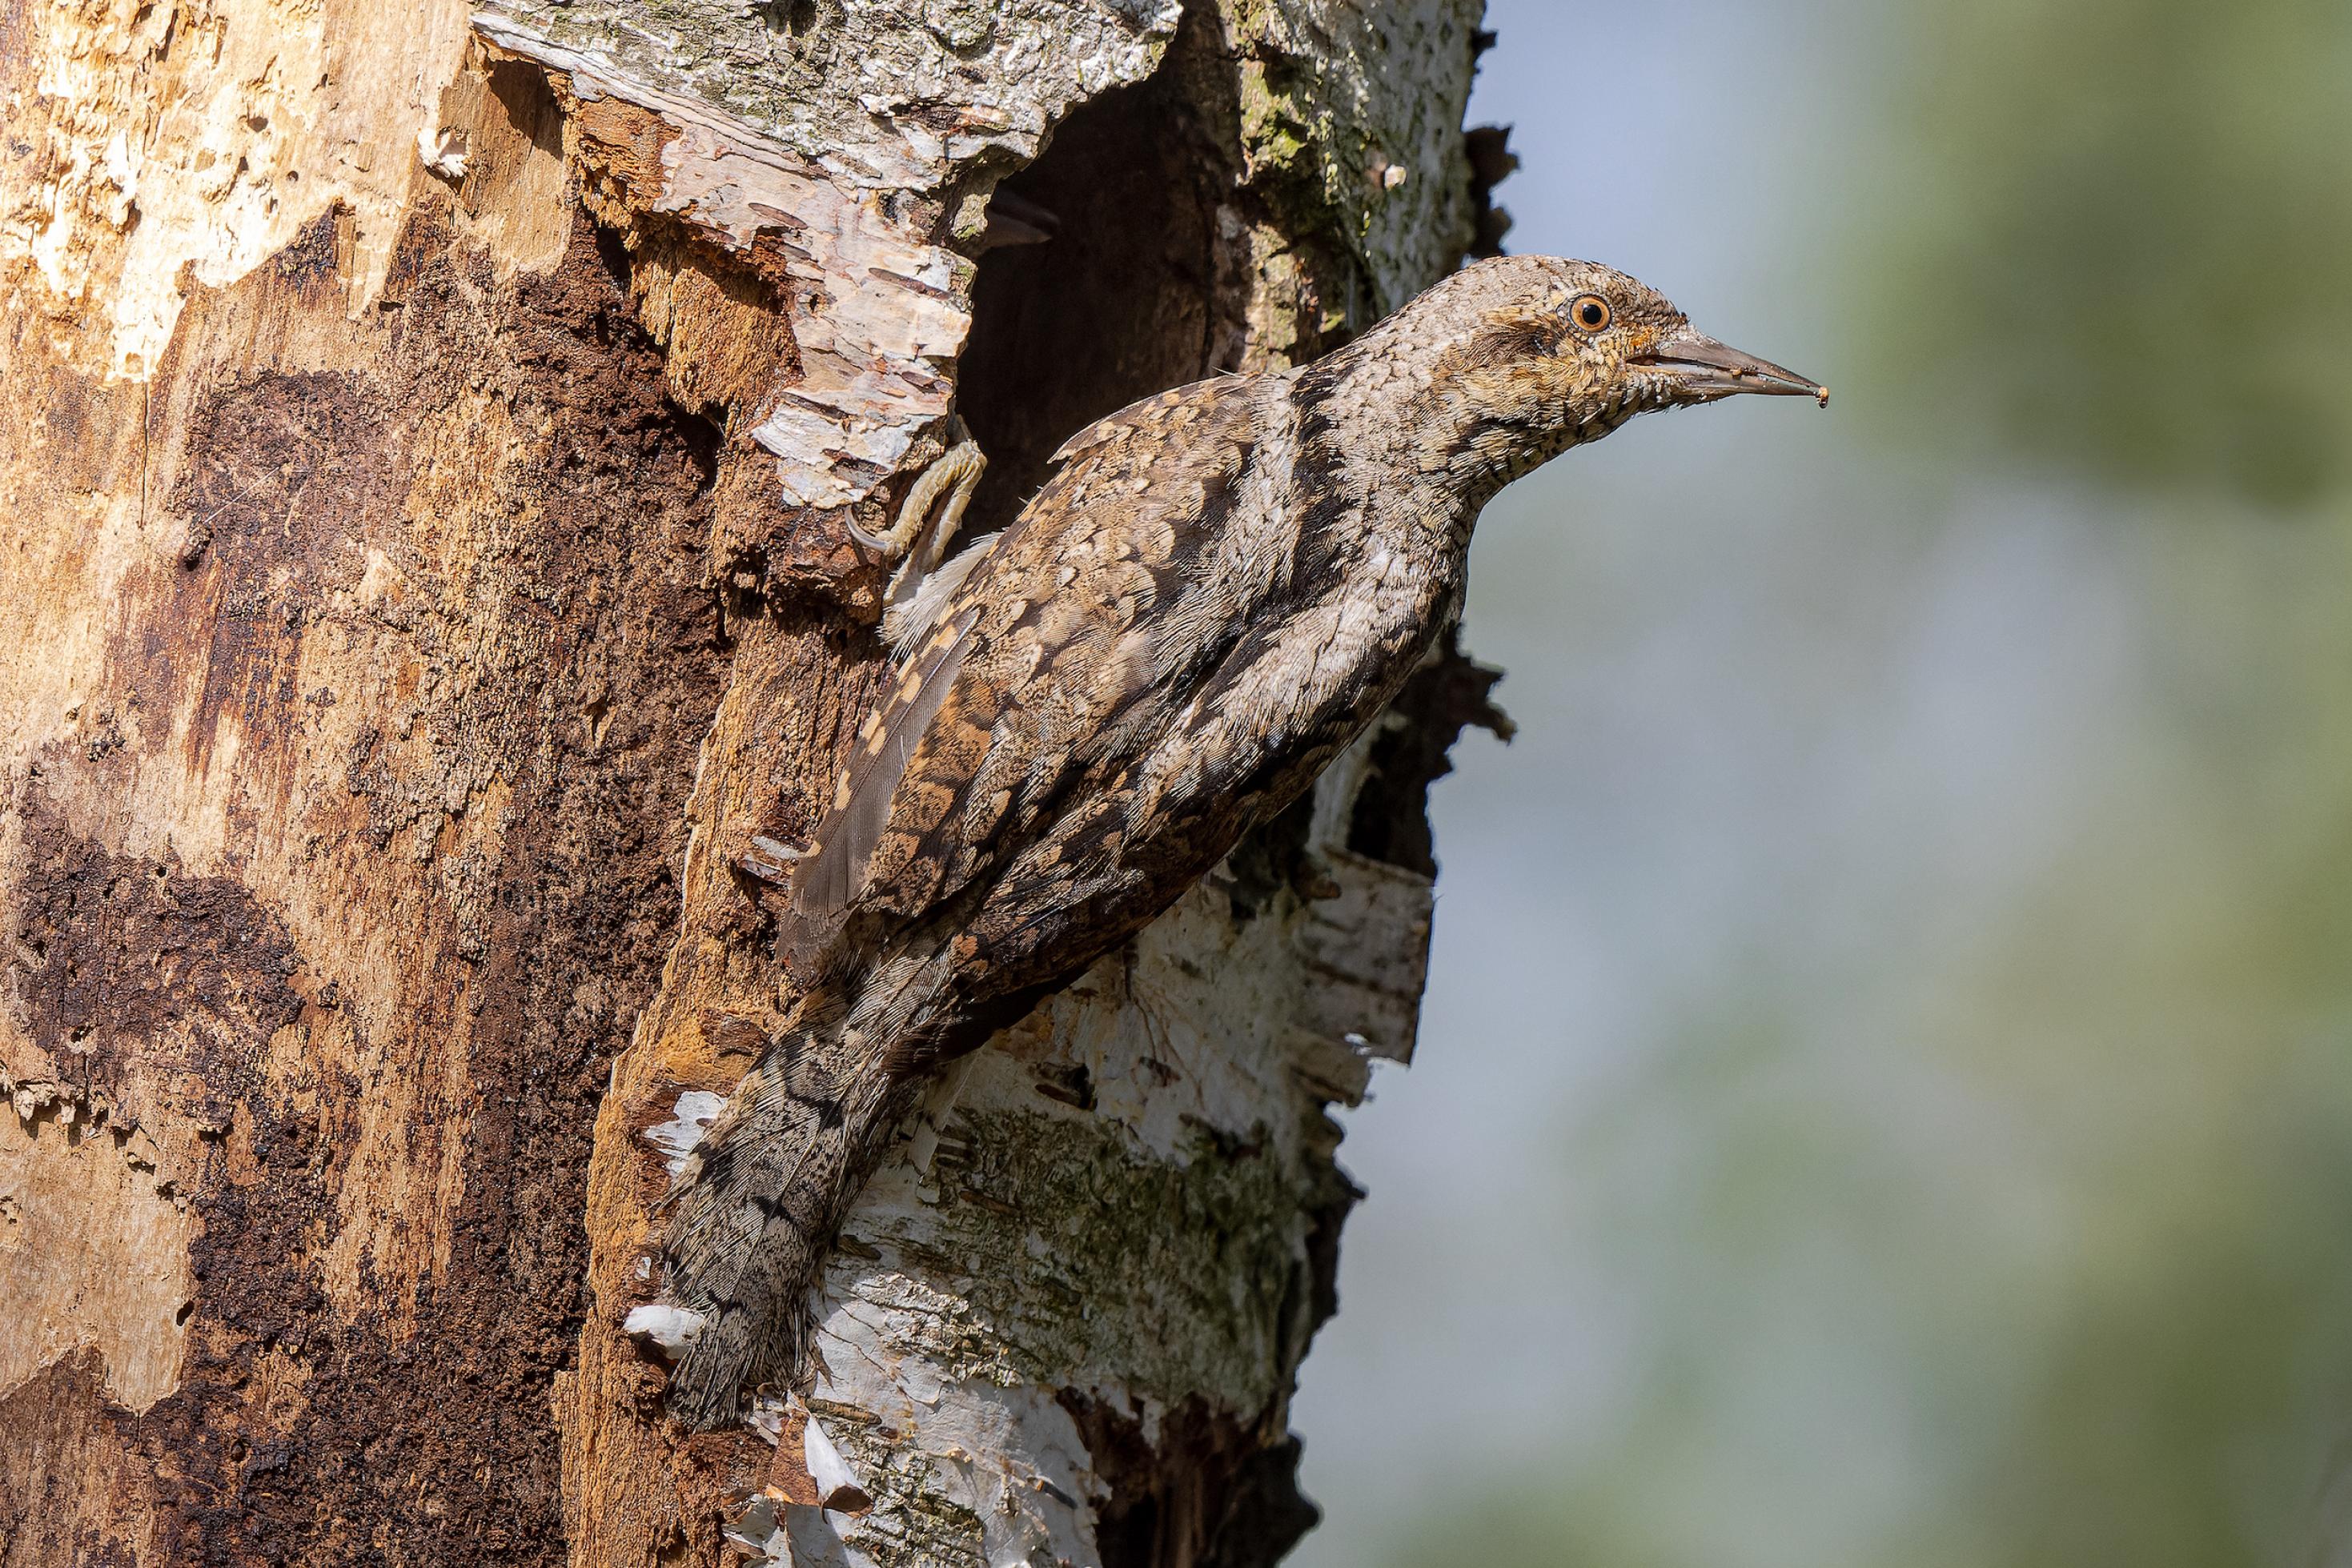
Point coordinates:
pixel 428 440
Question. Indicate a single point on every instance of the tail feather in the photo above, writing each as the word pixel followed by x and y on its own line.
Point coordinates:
pixel 756 1211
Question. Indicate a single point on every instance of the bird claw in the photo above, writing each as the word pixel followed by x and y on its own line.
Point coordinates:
pixel 915 535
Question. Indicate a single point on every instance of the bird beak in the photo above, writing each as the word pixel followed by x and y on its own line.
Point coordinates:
pixel 1703 370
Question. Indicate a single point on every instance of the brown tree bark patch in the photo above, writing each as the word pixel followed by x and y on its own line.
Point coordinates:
pixel 452 605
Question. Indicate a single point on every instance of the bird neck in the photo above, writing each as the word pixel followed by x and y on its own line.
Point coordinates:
pixel 1426 450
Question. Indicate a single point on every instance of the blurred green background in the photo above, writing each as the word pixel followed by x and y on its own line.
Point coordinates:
pixel 1885 1094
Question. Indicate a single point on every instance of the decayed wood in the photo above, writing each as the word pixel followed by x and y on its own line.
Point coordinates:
pixel 431 441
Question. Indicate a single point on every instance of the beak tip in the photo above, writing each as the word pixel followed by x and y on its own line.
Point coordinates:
pixel 1706 370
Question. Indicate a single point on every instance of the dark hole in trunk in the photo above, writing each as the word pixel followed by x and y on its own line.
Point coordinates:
pixel 1123 297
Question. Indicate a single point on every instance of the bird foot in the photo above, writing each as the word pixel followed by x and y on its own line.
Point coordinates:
pixel 927 522
pixel 919 536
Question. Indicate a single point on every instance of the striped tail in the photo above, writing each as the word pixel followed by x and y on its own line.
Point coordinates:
pixel 757 1208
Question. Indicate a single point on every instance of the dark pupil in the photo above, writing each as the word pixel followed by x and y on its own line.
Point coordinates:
pixel 1591 313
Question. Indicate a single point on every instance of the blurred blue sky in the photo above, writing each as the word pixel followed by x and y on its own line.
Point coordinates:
pixel 1883 1079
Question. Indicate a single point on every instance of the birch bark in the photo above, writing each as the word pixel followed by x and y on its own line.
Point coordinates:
pixel 428 440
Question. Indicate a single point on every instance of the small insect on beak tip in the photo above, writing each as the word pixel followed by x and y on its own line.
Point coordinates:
pixel 1821 396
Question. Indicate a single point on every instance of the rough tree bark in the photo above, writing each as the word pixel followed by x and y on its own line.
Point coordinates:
pixel 426 440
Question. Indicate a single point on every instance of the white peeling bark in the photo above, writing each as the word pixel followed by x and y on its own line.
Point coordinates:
pixel 1105 1220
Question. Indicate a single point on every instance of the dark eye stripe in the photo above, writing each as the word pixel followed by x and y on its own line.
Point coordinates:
pixel 1518 341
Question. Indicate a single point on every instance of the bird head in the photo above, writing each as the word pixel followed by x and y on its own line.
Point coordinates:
pixel 1521 357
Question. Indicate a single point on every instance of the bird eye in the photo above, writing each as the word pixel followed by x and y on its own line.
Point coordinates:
pixel 1591 312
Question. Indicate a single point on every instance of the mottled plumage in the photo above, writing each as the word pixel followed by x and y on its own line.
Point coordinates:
pixel 1219 587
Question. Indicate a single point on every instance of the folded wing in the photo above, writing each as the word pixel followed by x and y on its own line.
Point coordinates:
pixel 1047 648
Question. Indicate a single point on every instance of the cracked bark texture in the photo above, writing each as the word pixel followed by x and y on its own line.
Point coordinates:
pixel 429 435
